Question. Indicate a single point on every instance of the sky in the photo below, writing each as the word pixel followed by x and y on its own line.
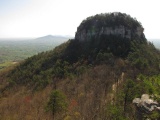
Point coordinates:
pixel 36 18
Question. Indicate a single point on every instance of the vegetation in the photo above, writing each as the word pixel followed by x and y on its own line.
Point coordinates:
pixel 18 50
pixel 91 80
pixel 57 103
pixel 110 20
pixel 134 89
pixel 6 64
pixel 156 43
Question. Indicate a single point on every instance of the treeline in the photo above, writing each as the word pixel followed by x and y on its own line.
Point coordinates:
pixel 109 20
pixel 65 60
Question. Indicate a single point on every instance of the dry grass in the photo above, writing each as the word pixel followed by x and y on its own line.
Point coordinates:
pixel 23 105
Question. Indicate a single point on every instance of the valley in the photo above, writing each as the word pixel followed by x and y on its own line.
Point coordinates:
pixel 16 50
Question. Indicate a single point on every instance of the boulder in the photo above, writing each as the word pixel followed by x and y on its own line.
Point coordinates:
pixel 145 104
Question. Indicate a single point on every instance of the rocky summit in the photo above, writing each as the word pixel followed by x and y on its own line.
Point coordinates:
pixel 109 24
pixel 110 32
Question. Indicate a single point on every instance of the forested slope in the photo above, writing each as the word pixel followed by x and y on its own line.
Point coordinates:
pixel 96 78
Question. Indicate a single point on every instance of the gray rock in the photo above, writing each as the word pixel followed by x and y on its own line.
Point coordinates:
pixel 117 31
pixel 146 104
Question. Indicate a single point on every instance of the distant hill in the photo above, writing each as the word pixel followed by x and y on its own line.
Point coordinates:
pixel 52 39
pixel 12 50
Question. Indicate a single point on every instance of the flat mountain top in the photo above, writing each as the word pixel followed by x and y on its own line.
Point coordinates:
pixel 110 24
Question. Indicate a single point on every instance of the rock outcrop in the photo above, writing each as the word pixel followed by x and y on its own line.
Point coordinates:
pixel 118 24
pixel 117 31
pixel 110 32
pixel 145 105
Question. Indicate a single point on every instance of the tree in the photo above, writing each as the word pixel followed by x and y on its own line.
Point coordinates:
pixel 57 102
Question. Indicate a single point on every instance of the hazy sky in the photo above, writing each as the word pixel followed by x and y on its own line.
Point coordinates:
pixel 36 18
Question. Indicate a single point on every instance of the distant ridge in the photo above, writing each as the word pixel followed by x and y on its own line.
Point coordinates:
pixel 51 37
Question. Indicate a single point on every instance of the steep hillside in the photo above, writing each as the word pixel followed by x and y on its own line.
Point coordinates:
pixel 94 76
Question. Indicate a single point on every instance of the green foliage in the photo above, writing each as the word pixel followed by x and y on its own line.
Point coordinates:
pixel 39 70
pixel 61 69
pixel 115 112
pixel 154 116
pixel 122 106
pixel 129 91
pixel 116 45
pixel 5 64
pixel 144 57
pixel 57 102
pixel 103 56
pixel 143 85
pixel 109 20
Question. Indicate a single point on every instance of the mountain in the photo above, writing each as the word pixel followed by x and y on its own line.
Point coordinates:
pixel 52 38
pixel 95 76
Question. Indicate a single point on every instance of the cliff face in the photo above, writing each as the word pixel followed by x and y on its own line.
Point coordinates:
pixel 117 31
pixel 94 27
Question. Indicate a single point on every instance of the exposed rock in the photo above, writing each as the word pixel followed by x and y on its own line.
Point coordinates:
pixel 139 31
pixel 145 105
pixel 117 31
pixel 94 27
